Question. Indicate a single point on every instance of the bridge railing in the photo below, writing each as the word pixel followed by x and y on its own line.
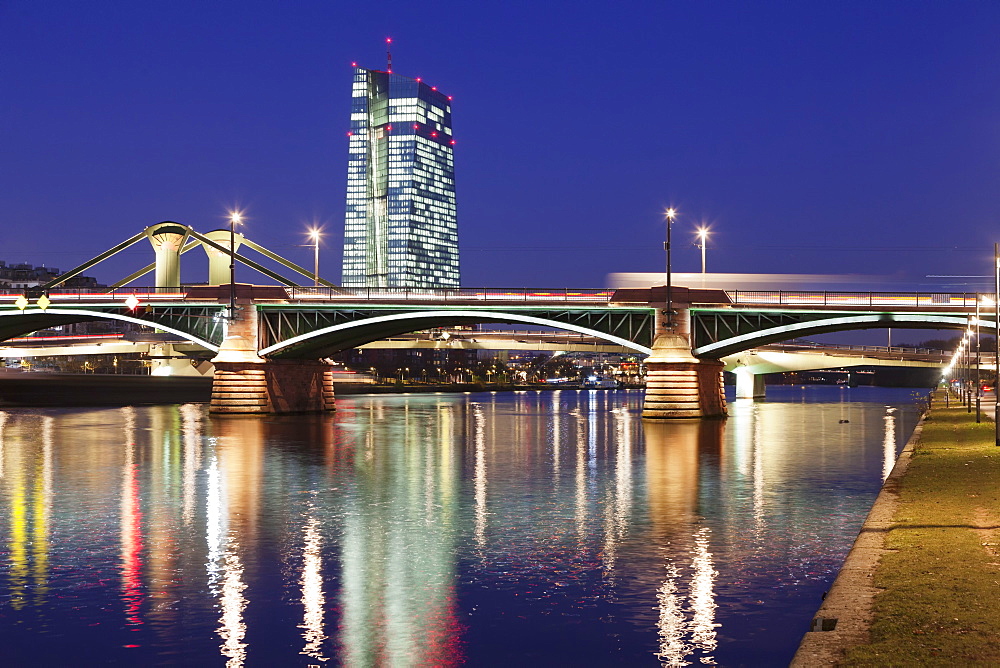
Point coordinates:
pixel 867 299
pixel 90 295
pixel 864 348
pixel 463 295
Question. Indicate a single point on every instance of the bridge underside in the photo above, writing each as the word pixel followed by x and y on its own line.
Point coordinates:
pixel 311 333
pixel 717 333
pixel 202 324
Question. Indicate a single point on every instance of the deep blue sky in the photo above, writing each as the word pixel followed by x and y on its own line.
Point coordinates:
pixel 815 137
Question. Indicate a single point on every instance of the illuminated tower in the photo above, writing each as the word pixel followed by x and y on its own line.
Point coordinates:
pixel 400 228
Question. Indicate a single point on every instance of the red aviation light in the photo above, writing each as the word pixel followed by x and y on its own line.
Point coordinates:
pixel 434 87
pixel 418 79
pixel 354 64
pixel 434 134
pixel 416 126
pixel 450 98
pixel 350 134
pixel 388 128
pixel 452 142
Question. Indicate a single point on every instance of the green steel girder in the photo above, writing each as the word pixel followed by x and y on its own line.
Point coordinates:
pixel 205 322
pixel 360 325
pixel 720 332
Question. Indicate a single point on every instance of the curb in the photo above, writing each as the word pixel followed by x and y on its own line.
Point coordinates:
pixel 845 615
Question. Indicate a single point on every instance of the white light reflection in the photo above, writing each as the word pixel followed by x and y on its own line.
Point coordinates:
pixel 889 442
pixel 214 521
pixel 232 629
pixel 681 637
pixel 703 605
pixel 312 592
pixel 581 482
pixel 671 624
pixel 619 507
pixel 479 434
pixel 556 434
pixel 758 472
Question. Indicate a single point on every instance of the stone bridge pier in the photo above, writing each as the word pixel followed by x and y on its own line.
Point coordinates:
pixel 678 384
pixel 244 382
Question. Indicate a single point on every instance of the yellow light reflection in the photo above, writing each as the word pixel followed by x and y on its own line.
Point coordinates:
pixel 18 534
pixel 43 504
pixel 191 428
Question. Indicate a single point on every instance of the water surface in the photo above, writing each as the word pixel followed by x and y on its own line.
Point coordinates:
pixel 552 528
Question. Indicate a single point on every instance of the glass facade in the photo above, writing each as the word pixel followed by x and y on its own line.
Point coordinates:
pixel 400 228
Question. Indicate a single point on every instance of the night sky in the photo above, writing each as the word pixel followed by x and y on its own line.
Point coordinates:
pixel 837 137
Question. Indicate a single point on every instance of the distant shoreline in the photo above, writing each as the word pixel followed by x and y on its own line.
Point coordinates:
pixel 25 389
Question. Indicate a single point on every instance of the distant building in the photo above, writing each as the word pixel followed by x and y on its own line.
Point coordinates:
pixel 400 228
pixel 20 276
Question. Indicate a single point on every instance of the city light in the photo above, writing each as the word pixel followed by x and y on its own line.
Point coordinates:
pixel 702 234
pixel 315 233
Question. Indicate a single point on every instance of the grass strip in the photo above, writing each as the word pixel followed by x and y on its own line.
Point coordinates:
pixel 940 604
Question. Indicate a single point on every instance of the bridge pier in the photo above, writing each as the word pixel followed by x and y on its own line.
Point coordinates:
pixel 749 385
pixel 245 383
pixel 679 385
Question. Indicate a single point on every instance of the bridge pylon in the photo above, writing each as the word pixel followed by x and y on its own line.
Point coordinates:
pixel 246 383
pixel 678 384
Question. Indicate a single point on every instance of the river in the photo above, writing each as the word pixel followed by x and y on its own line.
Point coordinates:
pixel 492 529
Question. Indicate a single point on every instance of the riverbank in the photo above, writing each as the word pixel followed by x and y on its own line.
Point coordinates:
pixel 920 586
pixel 77 389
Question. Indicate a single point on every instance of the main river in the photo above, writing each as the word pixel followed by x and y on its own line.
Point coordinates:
pixel 543 529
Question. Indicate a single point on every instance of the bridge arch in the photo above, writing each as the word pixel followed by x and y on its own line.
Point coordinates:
pixel 352 334
pixel 31 320
pixel 855 321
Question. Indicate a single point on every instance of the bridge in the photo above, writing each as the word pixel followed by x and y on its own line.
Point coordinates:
pixel 270 341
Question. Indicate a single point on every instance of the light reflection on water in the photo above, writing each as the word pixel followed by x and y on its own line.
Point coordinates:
pixel 547 528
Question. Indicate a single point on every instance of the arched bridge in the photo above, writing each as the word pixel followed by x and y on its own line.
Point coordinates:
pixel 307 323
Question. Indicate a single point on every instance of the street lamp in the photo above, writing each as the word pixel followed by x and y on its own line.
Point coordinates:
pixel 670 214
pixel 702 233
pixel 235 218
pixel 314 234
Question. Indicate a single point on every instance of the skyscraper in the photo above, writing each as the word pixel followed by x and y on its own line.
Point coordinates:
pixel 400 228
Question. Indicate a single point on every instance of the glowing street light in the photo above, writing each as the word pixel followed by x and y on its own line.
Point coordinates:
pixel 702 234
pixel 314 235
pixel 670 214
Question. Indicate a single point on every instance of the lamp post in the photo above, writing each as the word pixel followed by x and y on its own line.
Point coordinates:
pixel 996 347
pixel 670 214
pixel 314 235
pixel 702 233
pixel 234 219
pixel 979 417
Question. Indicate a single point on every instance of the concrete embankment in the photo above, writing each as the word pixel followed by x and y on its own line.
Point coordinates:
pixel 921 584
